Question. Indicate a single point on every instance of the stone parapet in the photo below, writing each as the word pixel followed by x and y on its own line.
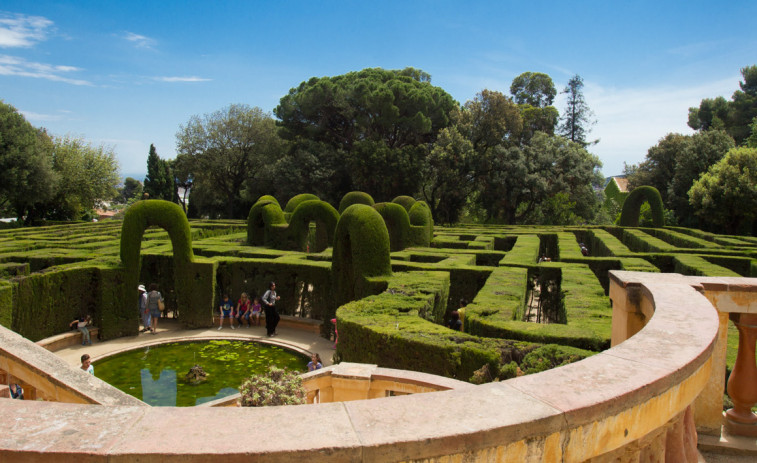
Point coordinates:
pixel 628 403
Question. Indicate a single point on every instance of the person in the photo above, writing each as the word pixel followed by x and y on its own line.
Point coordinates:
pixel 269 303
pixel 227 311
pixel 17 392
pixel 144 312
pixel 81 323
pixel 154 301
pixel 86 364
pixel 243 310
pixel 256 308
pixel 315 362
pixel 454 322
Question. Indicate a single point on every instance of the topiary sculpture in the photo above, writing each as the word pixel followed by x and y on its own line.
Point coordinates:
pixel 360 261
pixel 355 197
pixel 629 216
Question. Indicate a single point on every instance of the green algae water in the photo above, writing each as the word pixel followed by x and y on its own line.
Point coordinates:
pixel 156 374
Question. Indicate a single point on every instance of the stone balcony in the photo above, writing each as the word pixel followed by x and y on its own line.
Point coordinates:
pixel 641 400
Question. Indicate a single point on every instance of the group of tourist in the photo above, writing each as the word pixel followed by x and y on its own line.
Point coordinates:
pixel 249 312
pixel 151 304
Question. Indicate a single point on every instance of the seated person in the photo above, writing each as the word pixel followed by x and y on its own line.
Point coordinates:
pixel 81 324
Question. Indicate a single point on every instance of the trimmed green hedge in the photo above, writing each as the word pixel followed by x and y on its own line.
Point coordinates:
pixel 629 215
pixel 355 197
pixel 404 201
pixel 299 199
pixel 361 259
pixel 325 217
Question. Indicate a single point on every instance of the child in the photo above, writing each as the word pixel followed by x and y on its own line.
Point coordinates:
pixel 256 309
pixel 243 310
pixel 86 364
pixel 227 311
pixel 17 392
pixel 315 362
pixel 81 323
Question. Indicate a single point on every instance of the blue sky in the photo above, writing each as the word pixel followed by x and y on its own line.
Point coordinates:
pixel 129 73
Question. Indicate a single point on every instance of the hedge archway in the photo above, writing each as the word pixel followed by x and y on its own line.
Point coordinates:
pixel 325 217
pixel 355 197
pixel 361 254
pixel 629 216
pixel 170 217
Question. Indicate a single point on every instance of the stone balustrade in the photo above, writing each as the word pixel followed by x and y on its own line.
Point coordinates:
pixel 633 402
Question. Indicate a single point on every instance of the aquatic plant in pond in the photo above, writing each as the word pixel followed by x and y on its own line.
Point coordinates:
pixel 157 375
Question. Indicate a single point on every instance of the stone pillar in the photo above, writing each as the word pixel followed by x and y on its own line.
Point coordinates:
pixel 708 408
pixel 681 439
pixel 742 384
pixel 628 317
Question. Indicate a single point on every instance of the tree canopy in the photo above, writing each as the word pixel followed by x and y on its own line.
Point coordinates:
pixel 373 127
pixel 26 174
pixel 225 152
pixel 734 116
pixel 725 197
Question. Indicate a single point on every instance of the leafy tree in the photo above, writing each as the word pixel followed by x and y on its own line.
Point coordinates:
pixel 377 122
pixel 490 119
pixel 26 175
pixel 751 142
pixel 578 117
pixel 702 151
pixel 132 188
pixel 447 175
pixel 517 180
pixel 534 92
pixel 725 197
pixel 736 115
pixel 534 89
pixel 226 151
pixel 675 162
pixel 88 175
pixel 159 183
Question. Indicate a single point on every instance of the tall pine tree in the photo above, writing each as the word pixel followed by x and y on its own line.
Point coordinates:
pixel 578 117
pixel 159 183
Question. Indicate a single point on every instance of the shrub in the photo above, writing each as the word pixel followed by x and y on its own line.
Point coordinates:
pixel 299 199
pixel 275 387
pixel 551 356
pixel 405 201
pixel 355 197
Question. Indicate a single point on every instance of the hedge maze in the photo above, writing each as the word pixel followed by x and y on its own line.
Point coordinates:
pixel 389 277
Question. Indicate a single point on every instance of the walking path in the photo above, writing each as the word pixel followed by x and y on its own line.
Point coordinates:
pixel 170 331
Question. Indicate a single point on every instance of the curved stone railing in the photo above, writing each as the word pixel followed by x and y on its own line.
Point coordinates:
pixel 631 401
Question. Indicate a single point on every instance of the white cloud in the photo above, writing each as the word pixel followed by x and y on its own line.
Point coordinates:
pixel 37 117
pixel 182 79
pixel 140 41
pixel 631 120
pixel 18 30
pixel 15 66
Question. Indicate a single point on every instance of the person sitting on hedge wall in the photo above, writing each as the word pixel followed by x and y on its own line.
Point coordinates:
pixel 81 324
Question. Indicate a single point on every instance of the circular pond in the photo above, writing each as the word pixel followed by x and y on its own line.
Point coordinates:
pixel 157 375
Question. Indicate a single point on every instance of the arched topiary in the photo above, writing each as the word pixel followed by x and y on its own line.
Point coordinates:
pixel 325 217
pixel 405 201
pixel 164 214
pixel 397 223
pixel 629 216
pixel 268 198
pixel 299 199
pixel 263 215
pixel 196 310
pixel 355 197
pixel 361 254
pixel 421 225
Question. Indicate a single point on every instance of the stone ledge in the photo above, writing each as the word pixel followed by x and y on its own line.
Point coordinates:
pixel 573 413
pixel 71 338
